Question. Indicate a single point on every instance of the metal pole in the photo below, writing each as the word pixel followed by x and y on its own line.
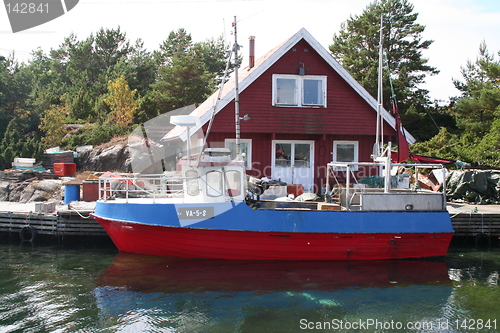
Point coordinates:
pixel 327 187
pixel 347 186
pixel 236 92
pixel 378 141
pixel 387 179
pixel 188 146
pixel 443 170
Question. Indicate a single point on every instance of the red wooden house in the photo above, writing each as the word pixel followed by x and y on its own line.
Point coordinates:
pixel 305 111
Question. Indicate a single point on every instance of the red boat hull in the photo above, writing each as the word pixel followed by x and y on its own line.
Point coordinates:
pixel 256 245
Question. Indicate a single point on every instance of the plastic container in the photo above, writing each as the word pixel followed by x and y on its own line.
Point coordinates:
pixel 295 189
pixel 23 162
pixel 71 193
pixel 57 157
pixel 64 169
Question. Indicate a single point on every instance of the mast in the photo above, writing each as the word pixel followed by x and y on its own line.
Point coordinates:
pixel 380 119
pixel 236 92
pixel 379 134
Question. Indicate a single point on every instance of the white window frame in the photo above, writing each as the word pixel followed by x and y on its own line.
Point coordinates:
pixel 275 89
pixel 307 178
pixel 356 153
pixel 299 90
pixel 192 183
pixel 214 189
pixel 233 184
pixel 248 155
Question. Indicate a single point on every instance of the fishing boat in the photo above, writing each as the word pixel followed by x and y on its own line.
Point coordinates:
pixel 207 207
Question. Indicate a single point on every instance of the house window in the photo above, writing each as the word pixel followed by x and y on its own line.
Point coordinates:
pixel 312 92
pixel 286 89
pixel 246 150
pixel 299 90
pixel 345 151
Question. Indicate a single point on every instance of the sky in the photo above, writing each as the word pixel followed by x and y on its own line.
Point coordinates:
pixel 457 27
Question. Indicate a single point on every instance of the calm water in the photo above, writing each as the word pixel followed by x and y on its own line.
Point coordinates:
pixel 61 289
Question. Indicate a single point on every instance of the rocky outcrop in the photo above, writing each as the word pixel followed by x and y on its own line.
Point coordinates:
pixel 18 186
pixel 28 186
pixel 4 190
pixel 112 156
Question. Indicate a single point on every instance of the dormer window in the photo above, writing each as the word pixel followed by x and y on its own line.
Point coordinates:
pixel 299 90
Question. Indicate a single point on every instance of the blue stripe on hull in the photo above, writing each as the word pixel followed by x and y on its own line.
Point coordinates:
pixel 242 217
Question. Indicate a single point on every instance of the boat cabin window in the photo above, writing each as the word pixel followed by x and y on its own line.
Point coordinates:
pixel 214 183
pixel 192 183
pixel 233 183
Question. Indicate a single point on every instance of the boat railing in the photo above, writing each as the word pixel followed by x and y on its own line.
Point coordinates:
pixel 356 184
pixel 133 185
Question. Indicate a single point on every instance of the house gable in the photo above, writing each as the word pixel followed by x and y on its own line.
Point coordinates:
pixel 346 112
pixel 345 120
pixel 348 99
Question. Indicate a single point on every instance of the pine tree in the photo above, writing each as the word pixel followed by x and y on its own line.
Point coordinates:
pixel 479 104
pixel 356 47
pixel 17 142
pixel 478 109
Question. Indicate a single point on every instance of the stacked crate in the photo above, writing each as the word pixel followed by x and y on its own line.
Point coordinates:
pixel 49 159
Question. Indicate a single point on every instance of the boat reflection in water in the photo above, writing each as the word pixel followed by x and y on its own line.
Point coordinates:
pixel 148 292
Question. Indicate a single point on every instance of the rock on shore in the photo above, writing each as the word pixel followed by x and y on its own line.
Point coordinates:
pixel 112 156
pixel 23 187
pixel 29 186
